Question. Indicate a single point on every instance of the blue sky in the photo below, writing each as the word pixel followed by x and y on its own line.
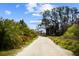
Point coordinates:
pixel 30 12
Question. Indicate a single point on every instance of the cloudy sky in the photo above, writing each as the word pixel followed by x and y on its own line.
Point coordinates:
pixel 30 12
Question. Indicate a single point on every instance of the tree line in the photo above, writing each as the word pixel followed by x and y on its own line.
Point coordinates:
pixel 14 34
pixel 57 20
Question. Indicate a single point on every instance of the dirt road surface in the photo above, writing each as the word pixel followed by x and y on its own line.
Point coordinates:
pixel 43 46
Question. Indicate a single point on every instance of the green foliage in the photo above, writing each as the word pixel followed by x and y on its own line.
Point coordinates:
pixel 72 32
pixel 12 34
pixel 69 44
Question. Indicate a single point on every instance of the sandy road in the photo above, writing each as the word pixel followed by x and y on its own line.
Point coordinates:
pixel 43 46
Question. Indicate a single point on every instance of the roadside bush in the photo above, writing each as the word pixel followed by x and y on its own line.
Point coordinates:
pixel 14 34
pixel 69 44
pixel 72 32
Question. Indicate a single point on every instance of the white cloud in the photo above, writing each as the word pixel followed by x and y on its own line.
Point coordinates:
pixel 30 7
pixel 35 8
pixel 46 7
pixel 36 14
pixel 7 12
pixel 17 5
pixel 32 4
pixel 35 21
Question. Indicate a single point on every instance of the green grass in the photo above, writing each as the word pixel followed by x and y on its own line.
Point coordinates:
pixel 69 44
pixel 13 52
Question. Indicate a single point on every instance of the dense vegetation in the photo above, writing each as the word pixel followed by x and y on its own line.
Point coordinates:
pixel 58 19
pixel 69 40
pixel 72 32
pixel 14 34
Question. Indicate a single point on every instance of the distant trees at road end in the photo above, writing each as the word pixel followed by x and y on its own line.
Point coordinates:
pixel 57 20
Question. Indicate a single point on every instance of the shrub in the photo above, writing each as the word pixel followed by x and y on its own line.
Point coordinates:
pixel 13 34
pixel 72 32
pixel 69 44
